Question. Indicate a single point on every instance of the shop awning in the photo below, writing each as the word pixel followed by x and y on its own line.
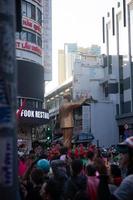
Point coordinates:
pixel 124 119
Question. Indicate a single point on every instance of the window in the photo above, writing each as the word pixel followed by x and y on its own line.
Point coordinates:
pixel 105 89
pixel 39 41
pixel 39 104
pixel 17 35
pixel 33 12
pixel 28 14
pixel 24 10
pixel 113 88
pixel 127 107
pixel 117 109
pixel 110 64
pixel 28 10
pixel 39 16
pixel 30 103
pixel 126 83
pixel 31 37
pixel 24 35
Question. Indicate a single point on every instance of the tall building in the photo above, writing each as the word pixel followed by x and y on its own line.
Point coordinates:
pixel 118 64
pixel 67 57
pixel 95 50
pixel 61 67
pixel 70 50
pixel 33 52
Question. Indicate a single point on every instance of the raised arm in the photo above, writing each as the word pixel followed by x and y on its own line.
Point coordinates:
pixel 73 105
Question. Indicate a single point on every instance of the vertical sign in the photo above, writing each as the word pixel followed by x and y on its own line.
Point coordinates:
pixel 113 21
pixel 8 144
pixel 6 157
pixel 124 12
pixel 103 28
pixel 47 40
pixel 86 119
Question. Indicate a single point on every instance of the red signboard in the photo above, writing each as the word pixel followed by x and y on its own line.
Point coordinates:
pixel 28 23
pixel 24 45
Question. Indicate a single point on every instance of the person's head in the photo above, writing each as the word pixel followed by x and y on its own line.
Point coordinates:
pixel 44 165
pixel 37 176
pixel 31 155
pixel 99 163
pixel 115 170
pixel 91 170
pixel 126 151
pixel 90 155
pixel 58 168
pixel 52 190
pixel 77 166
pixel 63 150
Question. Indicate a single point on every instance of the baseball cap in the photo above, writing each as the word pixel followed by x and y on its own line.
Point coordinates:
pixel 43 164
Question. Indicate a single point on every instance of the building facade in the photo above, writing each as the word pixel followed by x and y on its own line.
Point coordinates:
pixel 68 55
pixel 118 64
pixel 61 67
pixel 97 117
pixel 33 53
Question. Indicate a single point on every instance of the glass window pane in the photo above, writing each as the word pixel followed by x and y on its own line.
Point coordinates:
pixel 33 12
pixel 39 41
pixel 39 16
pixel 23 35
pixel 24 8
pixel 28 10
pixel 32 38
pixel 17 36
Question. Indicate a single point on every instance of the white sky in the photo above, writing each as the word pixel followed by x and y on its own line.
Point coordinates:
pixel 77 21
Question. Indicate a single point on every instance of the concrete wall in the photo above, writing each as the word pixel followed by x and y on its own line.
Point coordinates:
pixel 103 123
pixel 86 79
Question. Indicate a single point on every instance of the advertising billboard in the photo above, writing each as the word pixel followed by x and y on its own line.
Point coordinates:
pixel 47 40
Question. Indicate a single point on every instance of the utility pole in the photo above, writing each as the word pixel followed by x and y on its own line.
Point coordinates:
pixel 8 141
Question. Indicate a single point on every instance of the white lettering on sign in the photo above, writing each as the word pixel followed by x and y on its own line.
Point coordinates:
pixel 6 161
pixel 24 45
pixel 40 114
pixel 34 114
pixel 27 113
pixel 28 23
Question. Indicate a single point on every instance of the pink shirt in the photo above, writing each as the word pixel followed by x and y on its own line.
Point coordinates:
pixel 21 168
pixel 93 183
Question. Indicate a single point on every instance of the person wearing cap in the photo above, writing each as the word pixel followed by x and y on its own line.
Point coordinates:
pixel 44 165
pixel 125 190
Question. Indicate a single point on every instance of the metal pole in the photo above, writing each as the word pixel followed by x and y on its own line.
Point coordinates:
pixel 8 147
pixel 90 118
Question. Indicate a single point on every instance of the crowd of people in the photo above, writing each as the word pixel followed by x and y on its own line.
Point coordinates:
pixel 77 173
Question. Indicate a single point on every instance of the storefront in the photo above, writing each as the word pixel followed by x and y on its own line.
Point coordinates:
pixel 31 125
